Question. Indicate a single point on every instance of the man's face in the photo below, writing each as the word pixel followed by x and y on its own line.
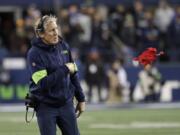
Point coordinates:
pixel 50 35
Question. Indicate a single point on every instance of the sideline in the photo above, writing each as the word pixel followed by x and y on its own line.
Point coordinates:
pixel 90 107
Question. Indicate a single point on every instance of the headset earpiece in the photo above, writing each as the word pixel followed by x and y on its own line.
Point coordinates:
pixel 40 27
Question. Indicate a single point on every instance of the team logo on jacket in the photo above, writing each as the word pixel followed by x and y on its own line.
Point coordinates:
pixel 64 52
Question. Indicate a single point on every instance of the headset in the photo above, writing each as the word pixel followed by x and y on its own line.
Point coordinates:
pixel 40 26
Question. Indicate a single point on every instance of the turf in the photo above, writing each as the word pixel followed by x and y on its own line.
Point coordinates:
pixel 105 122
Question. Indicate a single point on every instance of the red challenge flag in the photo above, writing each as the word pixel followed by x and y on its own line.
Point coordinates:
pixel 148 56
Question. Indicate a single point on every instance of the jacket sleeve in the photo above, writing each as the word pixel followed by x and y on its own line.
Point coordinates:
pixel 75 81
pixel 78 89
pixel 39 73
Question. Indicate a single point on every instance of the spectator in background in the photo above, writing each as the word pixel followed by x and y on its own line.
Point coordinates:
pixel 96 30
pixel 149 34
pixel 75 27
pixel 138 14
pixel 128 32
pixel 128 36
pixel 124 84
pixel 114 93
pixel 118 84
pixel 94 74
pixel 101 38
pixel 150 82
pixel 32 15
pixel 116 20
pixel 102 11
pixel 80 65
pixel 64 21
pixel 20 27
pixel 85 23
pixel 17 45
pixel 5 78
pixel 163 17
pixel 174 36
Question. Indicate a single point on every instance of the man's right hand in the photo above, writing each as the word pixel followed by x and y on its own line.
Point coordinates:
pixel 80 108
pixel 72 67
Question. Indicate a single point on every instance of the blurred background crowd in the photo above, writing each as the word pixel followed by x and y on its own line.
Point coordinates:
pixel 104 39
pixel 119 31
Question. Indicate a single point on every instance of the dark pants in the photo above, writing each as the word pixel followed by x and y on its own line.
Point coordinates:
pixel 90 92
pixel 64 117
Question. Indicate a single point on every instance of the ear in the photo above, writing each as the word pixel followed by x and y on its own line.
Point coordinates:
pixel 39 34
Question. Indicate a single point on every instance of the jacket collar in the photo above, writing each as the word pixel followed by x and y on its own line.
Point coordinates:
pixel 37 42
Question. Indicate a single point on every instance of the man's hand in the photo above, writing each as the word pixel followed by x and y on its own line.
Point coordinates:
pixel 72 67
pixel 80 108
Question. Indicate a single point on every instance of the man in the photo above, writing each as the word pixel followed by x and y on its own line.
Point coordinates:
pixel 54 80
pixel 150 80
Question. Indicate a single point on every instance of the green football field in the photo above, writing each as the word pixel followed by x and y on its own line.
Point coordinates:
pixel 105 122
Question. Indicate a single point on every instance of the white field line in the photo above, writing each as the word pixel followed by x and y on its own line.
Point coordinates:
pixel 136 125
pixel 22 118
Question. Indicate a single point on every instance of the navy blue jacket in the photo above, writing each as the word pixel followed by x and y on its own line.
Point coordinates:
pixel 58 87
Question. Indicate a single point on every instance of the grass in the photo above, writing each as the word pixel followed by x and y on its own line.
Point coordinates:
pixel 105 122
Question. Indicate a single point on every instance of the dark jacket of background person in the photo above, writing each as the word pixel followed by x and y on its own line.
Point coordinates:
pixel 57 87
pixel 174 32
pixel 94 74
pixel 94 71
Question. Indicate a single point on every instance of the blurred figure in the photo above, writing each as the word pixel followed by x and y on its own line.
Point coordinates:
pixel 163 17
pixel 80 65
pixel 118 83
pixel 94 74
pixel 96 30
pixel 150 82
pixel 20 27
pixel 128 36
pixel 139 20
pixel 17 45
pixel 174 36
pixel 114 95
pixel 5 77
pixel 101 38
pixel 80 22
pixel 85 24
pixel 116 19
pixel 102 11
pixel 123 83
pixel 128 32
pixel 139 14
pixel 64 21
pixel 149 34
pixel 75 28
pixel 32 15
